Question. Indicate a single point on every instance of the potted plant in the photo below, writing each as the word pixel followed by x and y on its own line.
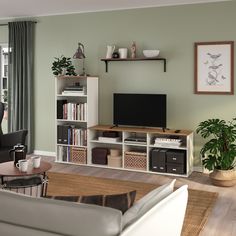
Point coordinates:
pixel 63 66
pixel 219 152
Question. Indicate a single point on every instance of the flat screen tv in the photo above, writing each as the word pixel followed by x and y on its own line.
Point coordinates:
pixel 147 110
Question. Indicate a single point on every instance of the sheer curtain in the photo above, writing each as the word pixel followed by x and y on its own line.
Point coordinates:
pixel 20 98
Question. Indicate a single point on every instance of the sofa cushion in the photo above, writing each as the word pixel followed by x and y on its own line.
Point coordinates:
pixel 58 217
pixel 147 202
pixel 120 202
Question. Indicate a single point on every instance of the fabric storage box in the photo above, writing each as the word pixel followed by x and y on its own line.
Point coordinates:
pixel 114 161
pixel 176 156
pixel 79 155
pixel 135 160
pixel 158 160
pixel 99 155
pixel 115 152
pixel 175 169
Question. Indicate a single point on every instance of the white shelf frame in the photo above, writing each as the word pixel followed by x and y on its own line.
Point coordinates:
pixel 91 97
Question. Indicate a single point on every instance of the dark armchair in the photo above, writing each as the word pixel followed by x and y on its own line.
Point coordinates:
pixel 9 140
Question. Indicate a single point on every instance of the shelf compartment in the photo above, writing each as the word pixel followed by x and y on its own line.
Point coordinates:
pixel 134 59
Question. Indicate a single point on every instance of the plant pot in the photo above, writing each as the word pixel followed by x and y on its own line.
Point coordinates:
pixel 223 178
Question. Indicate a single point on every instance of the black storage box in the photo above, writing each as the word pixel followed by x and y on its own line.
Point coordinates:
pixel 175 168
pixel 158 160
pixel 99 155
pixel 176 156
pixel 110 134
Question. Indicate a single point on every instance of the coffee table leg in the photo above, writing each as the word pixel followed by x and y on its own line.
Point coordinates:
pixel 44 185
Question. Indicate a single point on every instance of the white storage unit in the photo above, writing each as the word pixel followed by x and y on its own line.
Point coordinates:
pixel 75 112
pixel 135 153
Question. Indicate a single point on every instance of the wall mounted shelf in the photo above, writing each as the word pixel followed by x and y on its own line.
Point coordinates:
pixel 134 59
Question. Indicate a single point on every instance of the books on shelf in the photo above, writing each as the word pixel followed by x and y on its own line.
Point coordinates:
pixel 71 111
pixel 74 90
pixel 70 135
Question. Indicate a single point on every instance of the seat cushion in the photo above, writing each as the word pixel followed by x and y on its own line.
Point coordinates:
pixel 147 202
pixel 120 202
pixel 58 217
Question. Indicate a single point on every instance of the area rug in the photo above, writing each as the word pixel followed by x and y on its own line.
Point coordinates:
pixel 200 203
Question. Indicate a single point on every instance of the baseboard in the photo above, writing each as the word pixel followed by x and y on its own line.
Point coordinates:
pixel 44 153
pixel 198 168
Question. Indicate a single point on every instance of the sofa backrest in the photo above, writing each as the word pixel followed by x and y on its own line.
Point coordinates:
pixel 56 217
pixel 165 218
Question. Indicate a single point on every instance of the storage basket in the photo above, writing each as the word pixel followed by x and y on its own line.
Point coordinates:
pixel 79 155
pixel 135 160
pixel 114 161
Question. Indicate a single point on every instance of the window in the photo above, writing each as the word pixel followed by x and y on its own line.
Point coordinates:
pixel 4 74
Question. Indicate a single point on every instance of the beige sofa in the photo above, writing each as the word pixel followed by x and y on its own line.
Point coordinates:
pixel 160 212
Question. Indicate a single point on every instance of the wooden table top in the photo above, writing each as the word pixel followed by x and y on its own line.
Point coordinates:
pixel 8 169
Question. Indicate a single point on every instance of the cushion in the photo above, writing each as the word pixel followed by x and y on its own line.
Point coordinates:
pixel 147 202
pixel 120 202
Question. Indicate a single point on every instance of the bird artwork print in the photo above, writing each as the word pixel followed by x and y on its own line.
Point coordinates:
pixel 214 68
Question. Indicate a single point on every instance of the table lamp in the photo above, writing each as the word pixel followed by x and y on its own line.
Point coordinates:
pixel 79 54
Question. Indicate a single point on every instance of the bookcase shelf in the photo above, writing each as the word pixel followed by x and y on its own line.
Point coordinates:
pixel 71 131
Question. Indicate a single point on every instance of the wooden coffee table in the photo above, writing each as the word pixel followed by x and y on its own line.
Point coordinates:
pixel 33 176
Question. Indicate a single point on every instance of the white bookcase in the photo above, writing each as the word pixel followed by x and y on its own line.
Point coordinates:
pixel 186 147
pixel 71 146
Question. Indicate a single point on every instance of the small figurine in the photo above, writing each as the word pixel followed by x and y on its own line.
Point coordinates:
pixel 133 50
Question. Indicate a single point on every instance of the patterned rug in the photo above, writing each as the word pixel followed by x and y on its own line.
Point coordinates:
pixel 200 203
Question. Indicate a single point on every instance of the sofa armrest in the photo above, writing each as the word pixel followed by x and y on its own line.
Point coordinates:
pixel 11 139
pixel 165 218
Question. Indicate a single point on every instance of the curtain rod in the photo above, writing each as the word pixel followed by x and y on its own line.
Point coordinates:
pixel 14 21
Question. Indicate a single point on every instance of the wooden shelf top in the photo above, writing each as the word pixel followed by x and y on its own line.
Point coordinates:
pixel 140 130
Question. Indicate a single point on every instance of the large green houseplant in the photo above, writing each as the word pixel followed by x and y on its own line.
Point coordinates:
pixel 219 152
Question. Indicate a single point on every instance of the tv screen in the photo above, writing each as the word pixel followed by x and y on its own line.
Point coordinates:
pixel 147 110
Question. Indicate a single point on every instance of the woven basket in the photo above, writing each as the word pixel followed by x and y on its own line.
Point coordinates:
pixel 79 155
pixel 135 160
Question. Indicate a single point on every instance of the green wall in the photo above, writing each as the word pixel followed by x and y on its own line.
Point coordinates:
pixel 173 30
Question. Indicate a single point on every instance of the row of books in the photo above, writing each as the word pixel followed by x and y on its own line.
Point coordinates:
pixel 63 153
pixel 71 111
pixel 68 134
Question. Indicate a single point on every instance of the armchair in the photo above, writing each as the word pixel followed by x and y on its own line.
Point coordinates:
pixel 9 140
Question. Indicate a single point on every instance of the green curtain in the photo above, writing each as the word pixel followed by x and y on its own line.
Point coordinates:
pixel 20 94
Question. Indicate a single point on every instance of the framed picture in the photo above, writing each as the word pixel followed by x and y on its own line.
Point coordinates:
pixel 214 67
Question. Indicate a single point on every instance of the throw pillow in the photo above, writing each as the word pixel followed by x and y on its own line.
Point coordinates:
pixel 120 202
pixel 147 202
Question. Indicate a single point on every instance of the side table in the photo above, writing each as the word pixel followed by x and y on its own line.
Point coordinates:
pixel 22 180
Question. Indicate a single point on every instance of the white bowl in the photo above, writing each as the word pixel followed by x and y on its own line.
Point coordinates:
pixel 151 53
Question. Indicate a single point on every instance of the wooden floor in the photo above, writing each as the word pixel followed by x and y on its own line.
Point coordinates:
pixel 222 221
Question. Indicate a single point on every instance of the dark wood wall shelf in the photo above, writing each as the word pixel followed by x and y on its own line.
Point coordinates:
pixel 135 59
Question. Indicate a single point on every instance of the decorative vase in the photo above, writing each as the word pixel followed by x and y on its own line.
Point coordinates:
pixel 223 178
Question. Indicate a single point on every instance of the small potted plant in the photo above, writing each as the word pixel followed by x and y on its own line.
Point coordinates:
pixel 63 66
pixel 218 153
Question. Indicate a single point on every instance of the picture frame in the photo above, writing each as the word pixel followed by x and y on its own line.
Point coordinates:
pixel 214 67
